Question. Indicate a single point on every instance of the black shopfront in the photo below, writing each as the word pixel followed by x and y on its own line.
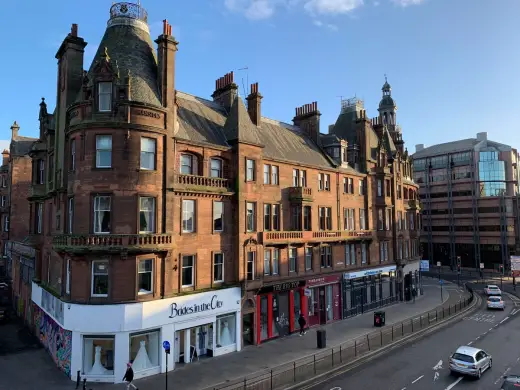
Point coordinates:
pixel 369 289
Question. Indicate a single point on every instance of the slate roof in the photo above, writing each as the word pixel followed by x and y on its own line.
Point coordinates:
pixel 201 120
pixel 132 48
pixel 21 146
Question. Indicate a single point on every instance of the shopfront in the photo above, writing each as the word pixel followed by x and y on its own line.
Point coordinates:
pixel 278 309
pixel 369 289
pixel 324 299
pixel 101 339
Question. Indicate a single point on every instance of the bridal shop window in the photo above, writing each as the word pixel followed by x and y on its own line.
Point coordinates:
pixel 98 355
pixel 226 330
pixel 144 350
pixel 99 278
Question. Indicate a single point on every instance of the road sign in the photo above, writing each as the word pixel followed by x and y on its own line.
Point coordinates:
pixel 438 264
pixel 515 265
pixel 481 265
pixel 424 265
pixel 166 344
pixel 441 282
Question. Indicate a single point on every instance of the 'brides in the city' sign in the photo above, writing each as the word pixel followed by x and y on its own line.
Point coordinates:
pixel 213 304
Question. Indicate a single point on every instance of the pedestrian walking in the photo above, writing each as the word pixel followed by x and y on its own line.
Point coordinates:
pixel 129 377
pixel 302 323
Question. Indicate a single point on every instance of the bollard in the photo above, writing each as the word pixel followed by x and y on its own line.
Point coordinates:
pixel 78 379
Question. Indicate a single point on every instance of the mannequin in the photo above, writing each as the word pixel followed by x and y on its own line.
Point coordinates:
pixel 142 361
pixel 225 335
pixel 97 367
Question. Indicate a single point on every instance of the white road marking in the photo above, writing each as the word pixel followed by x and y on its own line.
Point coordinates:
pixel 454 384
pixel 418 379
pixel 513 312
pixel 477 338
pixel 436 376
pixel 471 342
pixel 404 388
pixel 490 329
pixel 336 388
pixel 438 366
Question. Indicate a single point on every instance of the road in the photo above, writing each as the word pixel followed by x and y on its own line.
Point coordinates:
pixel 423 365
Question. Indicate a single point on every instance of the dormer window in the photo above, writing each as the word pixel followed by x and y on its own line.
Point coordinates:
pixel 105 96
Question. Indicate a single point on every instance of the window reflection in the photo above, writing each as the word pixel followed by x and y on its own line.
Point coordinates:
pixel 492 174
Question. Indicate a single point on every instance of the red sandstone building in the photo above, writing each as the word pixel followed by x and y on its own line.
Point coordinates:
pixel 163 216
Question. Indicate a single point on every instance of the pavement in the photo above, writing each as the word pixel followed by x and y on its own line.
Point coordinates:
pixel 423 364
pixel 207 373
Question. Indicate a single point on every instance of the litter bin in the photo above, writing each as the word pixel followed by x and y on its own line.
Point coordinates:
pixel 379 318
pixel 321 338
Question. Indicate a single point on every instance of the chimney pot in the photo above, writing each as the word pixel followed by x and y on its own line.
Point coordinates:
pixel 14 130
pixel 74 30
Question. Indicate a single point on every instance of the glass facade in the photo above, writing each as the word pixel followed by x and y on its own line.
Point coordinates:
pixel 98 355
pixel 492 174
pixel 144 350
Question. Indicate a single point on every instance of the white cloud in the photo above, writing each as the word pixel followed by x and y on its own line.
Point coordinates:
pixel 253 9
pixel 406 3
pixel 319 23
pixel 264 9
pixel 332 6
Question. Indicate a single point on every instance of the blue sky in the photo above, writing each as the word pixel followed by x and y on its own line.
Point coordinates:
pixel 453 64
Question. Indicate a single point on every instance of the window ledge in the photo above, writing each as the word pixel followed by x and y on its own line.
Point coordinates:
pixel 102 168
pixel 99 295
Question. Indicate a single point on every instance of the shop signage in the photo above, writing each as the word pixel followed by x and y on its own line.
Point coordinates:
pixel 425 265
pixel 307 292
pixel 178 311
pixel 147 113
pixel 369 272
pixel 282 287
pixel 328 279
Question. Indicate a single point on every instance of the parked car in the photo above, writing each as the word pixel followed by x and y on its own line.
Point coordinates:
pixel 491 289
pixel 495 302
pixel 511 382
pixel 470 361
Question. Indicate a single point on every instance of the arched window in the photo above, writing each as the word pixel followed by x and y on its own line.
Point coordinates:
pixel 189 164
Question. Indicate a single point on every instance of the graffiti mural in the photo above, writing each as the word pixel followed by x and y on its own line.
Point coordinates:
pixel 56 340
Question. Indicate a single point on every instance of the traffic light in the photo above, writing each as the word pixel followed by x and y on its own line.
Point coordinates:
pixel 458 264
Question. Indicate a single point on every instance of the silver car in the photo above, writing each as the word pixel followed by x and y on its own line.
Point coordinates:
pixel 495 302
pixel 470 361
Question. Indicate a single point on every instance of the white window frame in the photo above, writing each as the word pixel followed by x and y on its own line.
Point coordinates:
pixel 93 275
pixel 153 214
pixel 185 215
pixel 6 223
pixel 4 200
pixel 71 215
pixel 192 266
pixel 361 187
pixel 139 271
pixel 267 262
pixel 218 265
pixel 379 187
pixel 327 181
pixel 363 253
pixel 148 143
pixel 97 210
pixel 253 222
pixel 350 185
pixel 347 254
pixel 67 277
pixel 39 216
pixel 73 154
pixel 276 261
pixel 100 150
pixel 308 264
pixel 362 219
pixel 267 174
pixel 219 169
pixel 192 165
pixel 41 171
pixel 221 217
pixel 293 260
pixel 250 170
pixel 275 175
pixel 251 259
pixel 105 91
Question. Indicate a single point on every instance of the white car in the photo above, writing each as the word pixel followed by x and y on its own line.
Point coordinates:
pixel 495 302
pixel 491 289
pixel 470 361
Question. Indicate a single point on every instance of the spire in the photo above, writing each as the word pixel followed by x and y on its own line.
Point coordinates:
pixel 387 89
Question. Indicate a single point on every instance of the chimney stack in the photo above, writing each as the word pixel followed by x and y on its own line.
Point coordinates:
pixel 74 30
pixel 254 105
pixel 419 147
pixel 482 136
pixel 308 119
pixel 225 90
pixel 166 50
pixel 5 157
pixel 14 130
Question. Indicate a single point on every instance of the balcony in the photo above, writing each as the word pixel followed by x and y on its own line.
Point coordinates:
pixel 414 204
pixel 382 170
pixel 37 190
pixel 293 237
pixel 300 194
pixel 116 243
pixel 198 184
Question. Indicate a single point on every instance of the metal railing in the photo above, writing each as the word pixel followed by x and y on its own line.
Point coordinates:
pixel 324 361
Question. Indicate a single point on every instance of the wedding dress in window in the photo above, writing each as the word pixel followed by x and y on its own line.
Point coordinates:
pixel 225 335
pixel 97 367
pixel 142 361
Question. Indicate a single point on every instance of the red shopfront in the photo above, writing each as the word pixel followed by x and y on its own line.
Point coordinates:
pixel 324 299
pixel 278 309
